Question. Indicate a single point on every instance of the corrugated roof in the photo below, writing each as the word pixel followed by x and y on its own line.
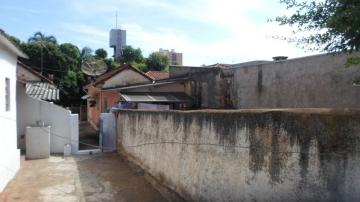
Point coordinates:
pixel 158 75
pixel 43 91
pixel 156 97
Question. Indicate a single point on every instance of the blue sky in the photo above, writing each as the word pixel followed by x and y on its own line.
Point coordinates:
pixel 206 31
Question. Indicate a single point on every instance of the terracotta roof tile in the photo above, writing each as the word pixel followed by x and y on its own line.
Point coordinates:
pixel 158 75
pixel 113 72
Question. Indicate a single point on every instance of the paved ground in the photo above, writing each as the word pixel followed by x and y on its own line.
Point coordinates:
pixel 88 135
pixel 101 177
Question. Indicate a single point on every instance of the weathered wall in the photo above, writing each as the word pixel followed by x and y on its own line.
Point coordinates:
pixel 247 155
pixel 317 81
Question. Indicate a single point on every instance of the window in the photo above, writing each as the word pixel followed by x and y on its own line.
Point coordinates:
pixel 7 94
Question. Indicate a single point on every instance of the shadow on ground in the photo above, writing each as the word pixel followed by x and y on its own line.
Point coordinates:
pixel 100 177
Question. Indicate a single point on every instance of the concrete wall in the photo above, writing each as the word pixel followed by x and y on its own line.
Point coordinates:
pixel 317 81
pixel 247 155
pixel 320 81
pixel 9 154
pixel 64 125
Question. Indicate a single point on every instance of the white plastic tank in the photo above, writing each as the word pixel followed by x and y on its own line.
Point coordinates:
pixel 37 141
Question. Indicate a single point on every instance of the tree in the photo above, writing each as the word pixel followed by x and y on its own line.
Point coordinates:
pixel 42 38
pixel 130 55
pixel 71 54
pixel 101 53
pixel 85 53
pixel 334 24
pixel 157 61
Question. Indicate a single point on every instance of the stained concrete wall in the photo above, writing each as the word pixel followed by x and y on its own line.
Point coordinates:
pixel 320 81
pixel 64 125
pixel 247 155
pixel 317 81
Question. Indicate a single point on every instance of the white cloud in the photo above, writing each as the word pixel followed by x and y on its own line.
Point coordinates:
pixel 249 38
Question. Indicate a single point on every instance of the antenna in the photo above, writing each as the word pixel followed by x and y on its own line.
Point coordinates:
pixel 116 16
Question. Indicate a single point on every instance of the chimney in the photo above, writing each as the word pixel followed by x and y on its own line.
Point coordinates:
pixel 280 58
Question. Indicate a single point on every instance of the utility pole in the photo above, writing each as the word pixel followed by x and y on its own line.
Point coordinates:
pixel 41 64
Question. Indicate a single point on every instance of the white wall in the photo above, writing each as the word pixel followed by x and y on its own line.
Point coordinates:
pixel 9 154
pixel 64 125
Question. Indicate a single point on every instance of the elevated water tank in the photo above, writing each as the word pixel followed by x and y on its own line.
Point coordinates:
pixel 117 41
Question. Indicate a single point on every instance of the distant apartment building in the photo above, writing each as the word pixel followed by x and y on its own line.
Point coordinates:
pixel 117 41
pixel 174 57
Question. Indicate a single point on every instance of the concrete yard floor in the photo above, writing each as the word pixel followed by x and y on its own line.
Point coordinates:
pixel 100 177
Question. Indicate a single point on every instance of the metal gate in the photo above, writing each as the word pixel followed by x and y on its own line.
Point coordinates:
pixel 107 132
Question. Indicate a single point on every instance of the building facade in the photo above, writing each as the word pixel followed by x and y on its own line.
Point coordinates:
pixel 174 57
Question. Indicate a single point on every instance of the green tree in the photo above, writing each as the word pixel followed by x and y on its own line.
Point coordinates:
pixel 157 62
pixel 85 54
pixel 130 55
pixel 71 54
pixel 334 24
pixel 101 53
pixel 42 38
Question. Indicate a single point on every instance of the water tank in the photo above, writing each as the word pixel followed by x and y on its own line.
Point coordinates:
pixel 37 141
pixel 117 41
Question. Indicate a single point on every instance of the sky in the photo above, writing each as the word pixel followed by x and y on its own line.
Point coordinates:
pixel 205 31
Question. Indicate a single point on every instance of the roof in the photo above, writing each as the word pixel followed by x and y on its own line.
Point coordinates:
pixel 11 47
pixel 250 63
pixel 114 72
pixel 43 78
pixel 42 91
pixel 156 97
pixel 154 83
pixel 158 75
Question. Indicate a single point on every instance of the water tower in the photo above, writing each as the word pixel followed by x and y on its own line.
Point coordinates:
pixel 117 41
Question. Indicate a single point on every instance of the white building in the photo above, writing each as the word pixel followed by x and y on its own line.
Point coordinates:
pixel 9 153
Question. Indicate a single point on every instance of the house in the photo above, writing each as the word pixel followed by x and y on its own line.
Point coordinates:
pixel 128 87
pixel 100 100
pixel 36 85
pixel 9 153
